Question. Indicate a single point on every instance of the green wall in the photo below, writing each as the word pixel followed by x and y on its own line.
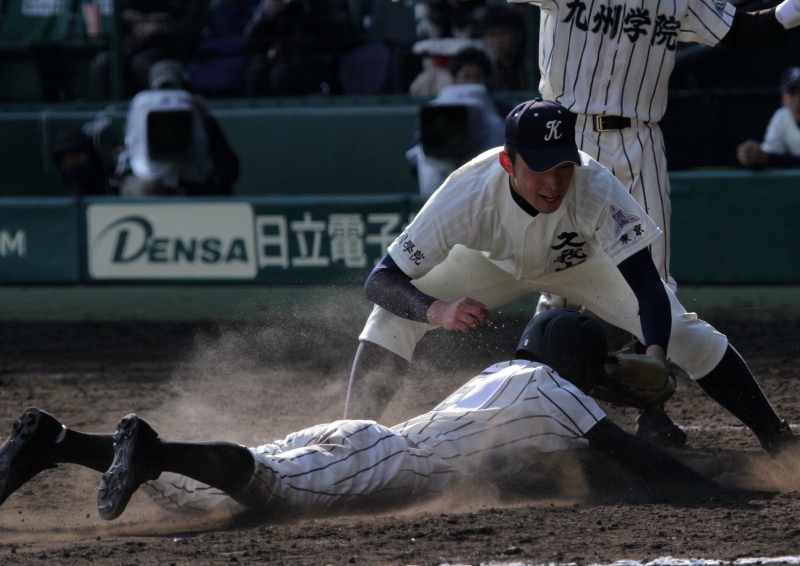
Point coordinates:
pixel 735 227
pixel 322 150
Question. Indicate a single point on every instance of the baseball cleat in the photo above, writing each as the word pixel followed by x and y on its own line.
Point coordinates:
pixel 134 446
pixel 27 450
pixel 654 425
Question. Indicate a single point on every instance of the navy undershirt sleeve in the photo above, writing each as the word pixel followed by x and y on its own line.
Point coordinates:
pixel 641 457
pixel 389 287
pixel 654 308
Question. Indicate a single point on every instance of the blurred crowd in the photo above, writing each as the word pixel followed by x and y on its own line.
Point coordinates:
pixel 175 53
pixel 233 48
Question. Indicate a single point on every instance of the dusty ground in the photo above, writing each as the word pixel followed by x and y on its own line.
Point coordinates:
pixel 253 382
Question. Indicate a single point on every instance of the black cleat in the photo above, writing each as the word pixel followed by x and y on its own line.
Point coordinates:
pixel 27 450
pixel 654 425
pixel 780 440
pixel 135 445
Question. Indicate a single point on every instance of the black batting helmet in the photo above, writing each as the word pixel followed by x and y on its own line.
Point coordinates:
pixel 570 342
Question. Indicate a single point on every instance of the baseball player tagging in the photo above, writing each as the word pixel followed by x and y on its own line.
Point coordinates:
pixel 538 215
pixel 474 238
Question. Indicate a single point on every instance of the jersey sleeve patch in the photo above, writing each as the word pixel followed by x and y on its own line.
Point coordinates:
pixel 622 220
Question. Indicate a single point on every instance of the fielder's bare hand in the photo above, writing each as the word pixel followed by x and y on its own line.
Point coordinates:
pixel 464 314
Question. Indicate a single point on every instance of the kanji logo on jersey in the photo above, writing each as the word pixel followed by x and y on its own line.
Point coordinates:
pixel 571 251
pixel 633 21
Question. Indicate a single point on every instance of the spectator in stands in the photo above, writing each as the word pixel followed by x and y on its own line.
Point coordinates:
pixel 781 145
pixel 173 145
pixel 503 34
pixel 436 54
pixel 472 66
pixel 152 30
pixel 448 18
pixel 430 159
pixel 297 46
pixel 80 164
pixel 220 64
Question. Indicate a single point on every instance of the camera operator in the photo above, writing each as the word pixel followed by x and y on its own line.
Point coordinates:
pixel 80 164
pixel 459 124
pixel 173 146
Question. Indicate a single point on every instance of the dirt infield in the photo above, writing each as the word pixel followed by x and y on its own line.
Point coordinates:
pixel 256 381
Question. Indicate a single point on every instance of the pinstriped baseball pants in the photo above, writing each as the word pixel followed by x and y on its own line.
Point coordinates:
pixel 321 467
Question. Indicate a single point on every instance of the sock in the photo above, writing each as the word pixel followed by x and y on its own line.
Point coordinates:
pixel 377 375
pixel 732 385
pixel 223 465
pixel 95 451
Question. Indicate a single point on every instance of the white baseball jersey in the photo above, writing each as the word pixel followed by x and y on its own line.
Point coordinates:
pixel 616 57
pixel 492 427
pixel 475 208
pixel 472 239
pixel 637 158
pixel 783 134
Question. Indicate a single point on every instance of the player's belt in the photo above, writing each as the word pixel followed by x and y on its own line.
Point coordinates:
pixel 604 123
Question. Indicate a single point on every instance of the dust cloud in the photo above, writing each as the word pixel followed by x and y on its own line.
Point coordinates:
pixel 255 381
pixel 263 378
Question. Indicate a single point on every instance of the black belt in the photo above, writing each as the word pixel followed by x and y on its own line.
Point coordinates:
pixel 603 123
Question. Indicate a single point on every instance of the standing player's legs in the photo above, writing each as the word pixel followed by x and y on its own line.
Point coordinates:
pixel 388 341
pixel 694 345
pixel 637 158
pixel 549 301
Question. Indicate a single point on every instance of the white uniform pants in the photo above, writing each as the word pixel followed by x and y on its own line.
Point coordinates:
pixel 598 285
pixel 637 159
pixel 319 468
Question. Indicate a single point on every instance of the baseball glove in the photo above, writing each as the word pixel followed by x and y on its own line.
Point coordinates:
pixel 636 380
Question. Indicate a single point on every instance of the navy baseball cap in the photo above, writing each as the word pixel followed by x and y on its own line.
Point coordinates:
pixel 790 78
pixel 543 132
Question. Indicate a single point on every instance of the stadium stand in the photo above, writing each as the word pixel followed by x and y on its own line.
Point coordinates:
pixel 45 49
